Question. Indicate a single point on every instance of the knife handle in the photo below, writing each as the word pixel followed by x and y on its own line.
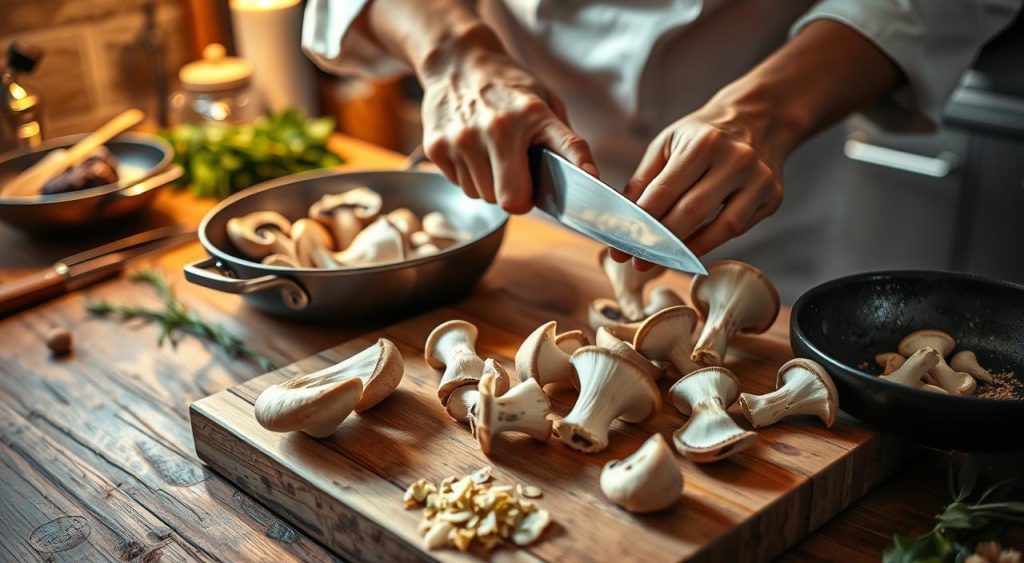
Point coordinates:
pixel 26 291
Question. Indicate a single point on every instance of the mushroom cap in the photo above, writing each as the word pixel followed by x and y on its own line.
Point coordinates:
pixel 726 281
pixel 595 365
pixel 362 201
pixel 934 339
pixel 459 410
pixel 420 238
pixel 647 480
pixel 437 225
pixel 405 220
pixel 799 368
pixel 889 361
pixel 605 339
pixel 312 244
pixel 571 340
pixel 379 243
pixel 540 358
pixel 385 376
pixel 257 234
pixel 463 331
pixel 665 330
pixel 528 394
pixel 661 297
pixel 314 406
pixel 713 381
pixel 606 313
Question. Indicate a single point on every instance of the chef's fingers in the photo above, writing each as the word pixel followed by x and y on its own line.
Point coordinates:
pixel 652 162
pixel 471 151
pixel 511 170
pixel 441 159
pixel 558 107
pixel 464 180
pixel 558 137
pixel 737 217
pixel 618 255
pixel 684 170
pixel 701 201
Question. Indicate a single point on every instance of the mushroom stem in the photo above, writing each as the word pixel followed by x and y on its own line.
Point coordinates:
pixel 540 358
pixel 967 362
pixel 733 297
pixel 452 347
pixel 710 434
pixel 914 368
pixel 628 284
pixel 647 481
pixel 954 382
pixel 524 408
pixel 803 388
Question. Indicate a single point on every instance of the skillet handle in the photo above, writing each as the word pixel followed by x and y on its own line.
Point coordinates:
pixel 203 273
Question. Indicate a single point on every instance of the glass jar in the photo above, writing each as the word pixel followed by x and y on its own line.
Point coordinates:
pixel 217 88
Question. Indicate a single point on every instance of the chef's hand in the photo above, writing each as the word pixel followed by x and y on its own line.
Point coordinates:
pixel 707 178
pixel 481 113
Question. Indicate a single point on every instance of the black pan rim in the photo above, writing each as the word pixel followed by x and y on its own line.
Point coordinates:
pixel 797 334
pixel 216 252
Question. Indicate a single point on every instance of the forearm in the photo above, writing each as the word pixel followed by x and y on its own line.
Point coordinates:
pixel 429 36
pixel 823 74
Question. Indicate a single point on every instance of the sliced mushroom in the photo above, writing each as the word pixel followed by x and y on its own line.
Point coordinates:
pixel 647 481
pixel 452 347
pixel 605 339
pixel 710 434
pixel 260 234
pixel 524 408
pixel 542 359
pixel 605 313
pixel 379 243
pixel 628 284
pixel 666 337
pixel 661 298
pixel 462 401
pixel 571 340
pixel 346 213
pixel 420 238
pixel 610 387
pixel 313 245
pixel 442 232
pixel 405 221
pixel 954 382
pixel 967 362
pixel 803 387
pixel 282 260
pixel 428 249
pixel 318 402
pixel 914 368
pixel 733 297
pixel 889 362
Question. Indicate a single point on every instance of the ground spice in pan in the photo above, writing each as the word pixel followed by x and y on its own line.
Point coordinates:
pixel 1007 386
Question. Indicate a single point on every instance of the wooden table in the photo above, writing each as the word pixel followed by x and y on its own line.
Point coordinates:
pixel 97 457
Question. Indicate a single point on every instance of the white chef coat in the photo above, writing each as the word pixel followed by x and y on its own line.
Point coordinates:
pixel 635 66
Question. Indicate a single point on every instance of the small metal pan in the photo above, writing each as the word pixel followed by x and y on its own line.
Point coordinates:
pixel 144 162
pixel 351 295
pixel 842 324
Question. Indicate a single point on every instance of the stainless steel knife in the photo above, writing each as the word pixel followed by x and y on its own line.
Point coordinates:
pixel 587 205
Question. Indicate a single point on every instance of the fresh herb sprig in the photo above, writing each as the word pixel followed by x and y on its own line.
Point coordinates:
pixel 221 158
pixel 964 523
pixel 176 318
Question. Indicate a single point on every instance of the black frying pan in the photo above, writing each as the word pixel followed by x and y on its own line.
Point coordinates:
pixel 843 323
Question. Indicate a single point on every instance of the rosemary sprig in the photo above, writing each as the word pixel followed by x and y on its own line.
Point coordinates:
pixel 176 318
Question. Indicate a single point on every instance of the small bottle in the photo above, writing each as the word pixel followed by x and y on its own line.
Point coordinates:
pixel 216 88
pixel 20 105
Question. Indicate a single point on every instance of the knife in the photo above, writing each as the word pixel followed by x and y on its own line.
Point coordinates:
pixel 589 206
pixel 87 268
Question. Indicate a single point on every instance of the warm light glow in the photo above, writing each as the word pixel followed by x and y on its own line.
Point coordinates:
pixel 17 92
pixel 261 5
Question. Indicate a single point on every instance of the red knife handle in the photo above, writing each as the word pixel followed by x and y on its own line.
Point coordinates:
pixel 33 289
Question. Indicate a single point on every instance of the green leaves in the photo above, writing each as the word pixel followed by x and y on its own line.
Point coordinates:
pixel 220 159
pixel 176 317
pixel 963 523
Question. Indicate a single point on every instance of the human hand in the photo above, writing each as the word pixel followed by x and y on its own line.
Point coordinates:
pixel 481 113
pixel 708 177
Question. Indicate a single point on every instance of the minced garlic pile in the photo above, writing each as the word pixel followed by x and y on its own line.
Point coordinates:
pixel 461 511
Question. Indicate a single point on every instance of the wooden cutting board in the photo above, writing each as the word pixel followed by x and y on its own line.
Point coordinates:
pixel 346 491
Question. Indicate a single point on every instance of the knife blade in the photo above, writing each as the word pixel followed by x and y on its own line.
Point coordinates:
pixel 86 268
pixel 591 207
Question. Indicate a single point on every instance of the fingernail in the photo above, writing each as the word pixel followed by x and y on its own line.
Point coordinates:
pixel 642 265
pixel 618 255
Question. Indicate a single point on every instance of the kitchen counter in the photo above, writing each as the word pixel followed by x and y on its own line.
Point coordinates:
pixel 97 455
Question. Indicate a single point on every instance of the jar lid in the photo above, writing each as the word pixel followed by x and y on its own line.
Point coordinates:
pixel 215 71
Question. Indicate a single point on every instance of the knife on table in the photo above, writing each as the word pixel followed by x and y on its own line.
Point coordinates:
pixel 589 206
pixel 86 268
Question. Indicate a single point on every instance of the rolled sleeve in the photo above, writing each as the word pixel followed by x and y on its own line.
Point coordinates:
pixel 932 41
pixel 331 40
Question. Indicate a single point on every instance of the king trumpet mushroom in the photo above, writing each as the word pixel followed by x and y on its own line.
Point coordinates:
pixel 710 434
pixel 379 243
pixel 346 213
pixel 523 408
pixel 967 362
pixel 605 339
pixel 889 362
pixel 802 387
pixel 463 400
pixel 313 245
pixel 606 313
pixel 541 358
pixel 610 386
pixel 405 221
pixel 913 370
pixel 954 382
pixel 733 297
pixel 442 233
pixel 628 284
pixel 661 298
pixel 666 337
pixel 452 347
pixel 648 480
pixel 260 234
pixel 318 402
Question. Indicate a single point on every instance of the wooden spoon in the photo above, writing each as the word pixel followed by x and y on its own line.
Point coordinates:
pixel 30 182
